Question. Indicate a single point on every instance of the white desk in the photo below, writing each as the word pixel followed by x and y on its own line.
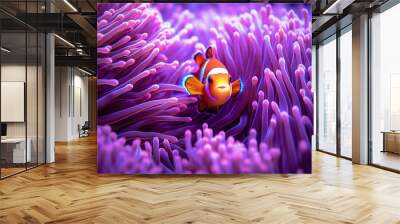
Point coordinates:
pixel 18 149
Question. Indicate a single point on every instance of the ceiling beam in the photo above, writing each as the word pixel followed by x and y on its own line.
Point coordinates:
pixel 82 61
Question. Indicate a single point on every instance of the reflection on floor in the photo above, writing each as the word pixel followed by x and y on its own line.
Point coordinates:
pixel 386 159
pixel 10 169
pixel 346 152
pixel 70 191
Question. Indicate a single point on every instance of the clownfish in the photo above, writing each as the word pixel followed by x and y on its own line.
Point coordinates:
pixel 212 82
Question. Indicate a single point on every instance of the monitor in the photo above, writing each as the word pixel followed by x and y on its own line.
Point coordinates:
pixel 3 129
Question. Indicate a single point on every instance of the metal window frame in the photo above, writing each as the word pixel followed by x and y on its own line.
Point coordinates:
pixel 339 32
pixel 389 4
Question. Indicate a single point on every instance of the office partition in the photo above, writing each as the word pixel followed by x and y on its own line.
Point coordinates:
pixel 22 77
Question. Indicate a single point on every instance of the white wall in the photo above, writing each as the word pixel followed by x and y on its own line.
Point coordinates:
pixel 14 73
pixel 71 93
pixel 61 103
pixel 80 100
pixel 33 127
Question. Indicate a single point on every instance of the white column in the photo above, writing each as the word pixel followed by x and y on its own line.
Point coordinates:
pixel 50 99
pixel 50 92
pixel 360 90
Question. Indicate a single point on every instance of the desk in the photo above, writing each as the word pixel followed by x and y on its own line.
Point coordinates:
pixel 16 147
pixel 391 141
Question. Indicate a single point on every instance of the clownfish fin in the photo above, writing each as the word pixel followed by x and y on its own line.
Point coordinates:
pixel 237 86
pixel 192 85
pixel 210 52
pixel 199 58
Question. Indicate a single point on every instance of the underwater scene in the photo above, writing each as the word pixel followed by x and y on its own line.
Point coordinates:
pixel 204 88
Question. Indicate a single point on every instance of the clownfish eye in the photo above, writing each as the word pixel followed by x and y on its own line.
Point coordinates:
pixel 209 80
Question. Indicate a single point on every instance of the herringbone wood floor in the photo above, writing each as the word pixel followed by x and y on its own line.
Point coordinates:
pixel 70 191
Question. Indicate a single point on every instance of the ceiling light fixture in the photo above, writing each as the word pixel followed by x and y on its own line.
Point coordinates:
pixel 84 71
pixel 326 11
pixel 64 40
pixel 337 7
pixel 5 50
pixel 79 51
pixel 70 5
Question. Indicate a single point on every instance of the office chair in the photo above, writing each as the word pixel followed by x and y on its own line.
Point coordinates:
pixel 84 130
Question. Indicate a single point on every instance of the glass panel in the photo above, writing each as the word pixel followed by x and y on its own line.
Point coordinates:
pixel 31 100
pixel 23 85
pixel 41 99
pixel 385 84
pixel 346 94
pixel 41 5
pixel 13 91
pixel 327 96
pixel 32 87
pixel 13 87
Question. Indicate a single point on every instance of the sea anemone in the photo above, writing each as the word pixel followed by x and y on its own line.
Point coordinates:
pixel 144 51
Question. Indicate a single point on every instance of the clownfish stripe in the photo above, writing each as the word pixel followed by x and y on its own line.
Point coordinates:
pixel 218 71
pixel 241 86
pixel 203 70
pixel 184 82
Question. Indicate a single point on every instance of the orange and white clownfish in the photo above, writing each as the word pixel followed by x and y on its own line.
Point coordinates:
pixel 212 82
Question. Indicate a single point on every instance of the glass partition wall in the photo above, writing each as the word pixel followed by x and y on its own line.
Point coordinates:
pixel 345 62
pixel 13 94
pixel 327 95
pixel 334 93
pixel 334 127
pixel 385 89
pixel 22 77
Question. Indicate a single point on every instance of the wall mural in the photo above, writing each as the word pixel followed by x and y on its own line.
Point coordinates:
pixel 201 88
